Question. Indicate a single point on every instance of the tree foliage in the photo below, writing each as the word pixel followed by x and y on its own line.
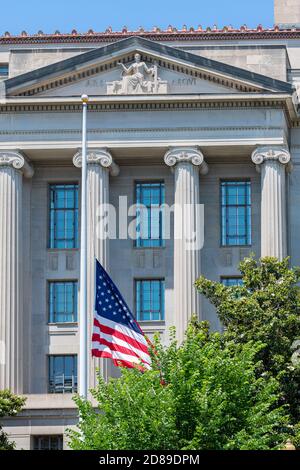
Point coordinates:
pixel 205 394
pixel 10 405
pixel 265 309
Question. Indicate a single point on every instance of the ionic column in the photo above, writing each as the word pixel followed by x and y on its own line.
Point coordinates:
pixel 272 163
pixel 100 166
pixel 188 228
pixel 12 168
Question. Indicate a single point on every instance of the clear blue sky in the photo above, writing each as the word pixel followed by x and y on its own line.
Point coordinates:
pixel 64 15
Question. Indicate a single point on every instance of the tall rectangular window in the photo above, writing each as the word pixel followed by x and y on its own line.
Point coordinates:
pixel 63 374
pixel 149 198
pixel 236 213
pixel 48 442
pixel 63 216
pixel 150 299
pixel 63 301
pixel 232 281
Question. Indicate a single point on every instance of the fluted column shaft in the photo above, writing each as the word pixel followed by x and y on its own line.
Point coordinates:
pixel 100 166
pixel 272 163
pixel 187 263
pixel 12 165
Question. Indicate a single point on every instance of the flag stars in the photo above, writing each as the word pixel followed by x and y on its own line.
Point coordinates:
pixel 110 304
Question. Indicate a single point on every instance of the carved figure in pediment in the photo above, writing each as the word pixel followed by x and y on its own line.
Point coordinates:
pixel 134 77
pixel 138 78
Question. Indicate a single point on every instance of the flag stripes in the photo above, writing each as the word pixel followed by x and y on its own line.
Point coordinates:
pixel 116 334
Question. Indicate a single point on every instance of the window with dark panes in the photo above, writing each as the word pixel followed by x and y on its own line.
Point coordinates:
pixel 150 299
pixel 63 301
pixel 63 374
pixel 63 216
pixel 48 442
pixel 150 196
pixel 236 213
pixel 232 281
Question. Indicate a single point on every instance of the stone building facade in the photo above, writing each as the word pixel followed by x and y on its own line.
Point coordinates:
pixel 192 116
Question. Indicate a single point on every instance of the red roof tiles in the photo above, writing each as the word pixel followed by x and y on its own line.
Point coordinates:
pixel 157 34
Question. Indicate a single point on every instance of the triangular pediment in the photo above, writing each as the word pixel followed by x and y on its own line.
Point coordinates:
pixel 161 70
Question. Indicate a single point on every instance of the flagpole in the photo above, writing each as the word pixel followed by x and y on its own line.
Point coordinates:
pixel 83 317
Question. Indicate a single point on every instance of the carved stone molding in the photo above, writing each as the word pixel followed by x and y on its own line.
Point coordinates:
pixel 17 161
pixel 186 154
pixel 162 104
pixel 139 130
pixel 265 154
pixel 99 157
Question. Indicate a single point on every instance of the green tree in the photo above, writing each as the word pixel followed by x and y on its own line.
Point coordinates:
pixel 10 405
pixel 205 394
pixel 266 310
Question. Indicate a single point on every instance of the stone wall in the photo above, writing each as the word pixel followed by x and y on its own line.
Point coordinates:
pixel 287 12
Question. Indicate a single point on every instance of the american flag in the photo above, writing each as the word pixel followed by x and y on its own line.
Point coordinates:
pixel 116 333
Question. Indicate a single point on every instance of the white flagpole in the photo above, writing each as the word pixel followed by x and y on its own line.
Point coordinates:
pixel 83 317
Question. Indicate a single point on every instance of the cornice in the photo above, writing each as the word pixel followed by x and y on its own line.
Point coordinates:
pixel 150 143
pixel 135 103
pixel 165 103
pixel 138 130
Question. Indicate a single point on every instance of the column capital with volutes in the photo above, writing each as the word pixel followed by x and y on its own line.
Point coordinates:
pixel 98 156
pixel 271 154
pixel 193 155
pixel 16 160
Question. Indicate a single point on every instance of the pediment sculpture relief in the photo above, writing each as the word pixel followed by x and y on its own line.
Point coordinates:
pixel 138 79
